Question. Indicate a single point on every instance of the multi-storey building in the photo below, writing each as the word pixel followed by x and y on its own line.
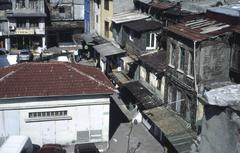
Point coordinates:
pixel 65 20
pixel 4 5
pixel 26 24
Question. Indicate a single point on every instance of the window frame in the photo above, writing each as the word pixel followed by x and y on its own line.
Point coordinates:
pixel 149 40
pixel 181 63
pixel 106 29
pixel 190 71
pixel 48 116
pixel 61 9
pixel 172 56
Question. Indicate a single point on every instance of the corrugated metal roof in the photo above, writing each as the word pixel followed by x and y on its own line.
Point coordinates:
pixel 143 25
pixel 108 49
pixel 200 29
pixel 127 17
pixel 138 94
pixel 231 10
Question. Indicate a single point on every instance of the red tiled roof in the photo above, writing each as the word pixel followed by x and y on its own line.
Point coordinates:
pixel 52 79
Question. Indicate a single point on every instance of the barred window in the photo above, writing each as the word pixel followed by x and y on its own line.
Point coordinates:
pixel 47 114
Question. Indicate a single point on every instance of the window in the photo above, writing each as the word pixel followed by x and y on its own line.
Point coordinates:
pixel 33 4
pixel 170 94
pixel 187 110
pixel 106 29
pixel 20 4
pixel 190 65
pixel 151 41
pixel 61 9
pixel 178 101
pixel 33 23
pixel 147 76
pixel 21 23
pixel 106 4
pixel 47 114
pixel 96 18
pixel 181 58
pixel 172 54
pixel 131 37
pixel 159 84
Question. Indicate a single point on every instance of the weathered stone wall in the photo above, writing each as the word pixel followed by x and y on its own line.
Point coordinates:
pixel 181 81
pixel 213 62
pixel 220 130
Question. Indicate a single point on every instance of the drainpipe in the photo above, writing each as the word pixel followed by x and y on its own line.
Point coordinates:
pixel 199 112
pixel 194 61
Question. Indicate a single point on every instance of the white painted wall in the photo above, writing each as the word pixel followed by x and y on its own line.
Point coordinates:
pixel 78 12
pixel 103 64
pixel 143 73
pixel 162 87
pixel 86 115
pixel 153 80
pixel 97 27
pixel 8 60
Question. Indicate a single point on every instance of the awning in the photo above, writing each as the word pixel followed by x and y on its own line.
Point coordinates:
pixel 21 14
pixel 108 49
pixel 127 17
pixel 88 38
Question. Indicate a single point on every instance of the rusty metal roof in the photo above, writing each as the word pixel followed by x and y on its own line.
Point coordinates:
pixel 199 29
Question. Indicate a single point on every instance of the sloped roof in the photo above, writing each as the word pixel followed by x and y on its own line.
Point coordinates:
pixel 156 61
pixel 199 29
pixel 52 79
pixel 136 93
pixel 107 49
pixel 143 25
pixel 231 10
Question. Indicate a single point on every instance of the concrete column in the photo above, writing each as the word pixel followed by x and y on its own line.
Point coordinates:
pixel 43 42
pixel 7 44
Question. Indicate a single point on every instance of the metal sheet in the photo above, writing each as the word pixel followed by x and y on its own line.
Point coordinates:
pixel 108 49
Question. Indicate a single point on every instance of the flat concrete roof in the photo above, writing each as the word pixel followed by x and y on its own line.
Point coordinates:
pixel 177 131
pixel 140 140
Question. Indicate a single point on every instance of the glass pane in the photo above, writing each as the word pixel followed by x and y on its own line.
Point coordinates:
pixel 152 40
pixel 182 60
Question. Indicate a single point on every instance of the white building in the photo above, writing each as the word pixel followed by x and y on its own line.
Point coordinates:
pixel 55 103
